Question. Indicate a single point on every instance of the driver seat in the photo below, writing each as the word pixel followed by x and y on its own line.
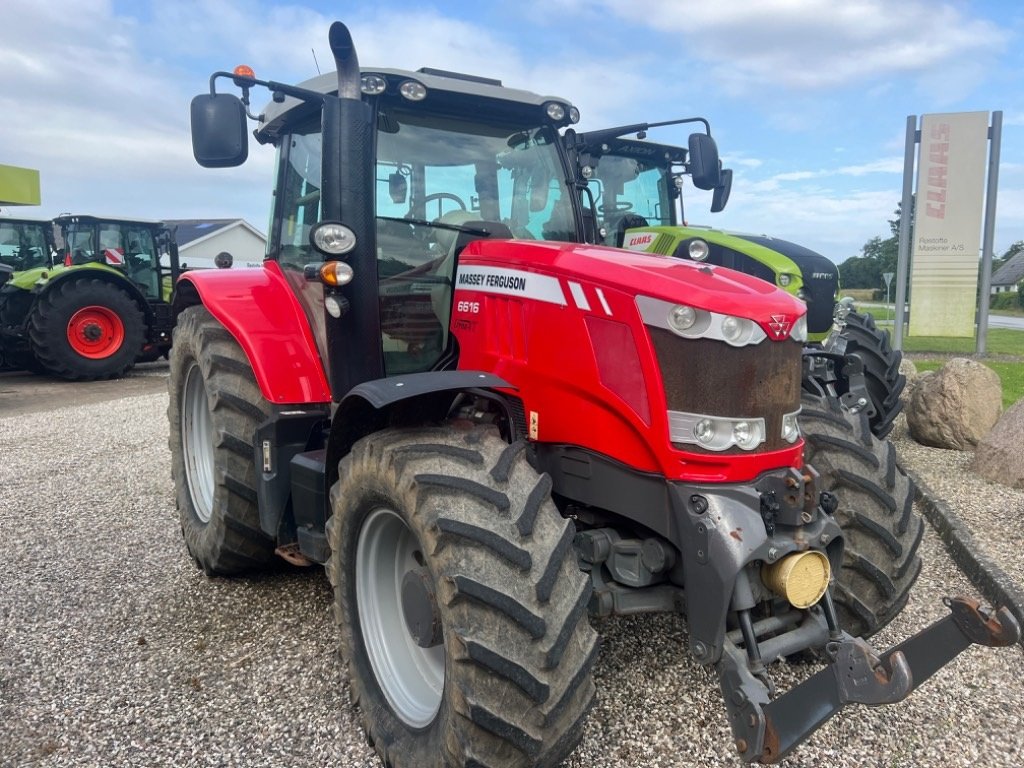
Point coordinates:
pixel 628 221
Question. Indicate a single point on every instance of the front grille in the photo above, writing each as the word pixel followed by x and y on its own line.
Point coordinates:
pixel 710 377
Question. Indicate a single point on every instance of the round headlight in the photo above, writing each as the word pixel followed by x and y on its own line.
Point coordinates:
pixel 372 85
pixel 682 318
pixel 332 238
pixel 587 172
pixel 732 327
pixel 704 431
pixel 555 110
pixel 413 90
pixel 785 279
pixel 574 115
pixel 698 250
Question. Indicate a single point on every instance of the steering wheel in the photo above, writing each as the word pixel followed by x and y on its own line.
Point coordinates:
pixel 444 196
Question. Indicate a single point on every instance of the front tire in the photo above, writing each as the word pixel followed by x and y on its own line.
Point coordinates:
pixel 862 338
pixel 876 512
pixel 215 408
pixel 489 659
pixel 86 329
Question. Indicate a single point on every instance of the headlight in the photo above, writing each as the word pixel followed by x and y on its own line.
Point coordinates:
pixel 694 323
pixel 737 331
pixel 682 317
pixel 715 433
pixel 785 279
pixel 574 115
pixel 799 332
pixel 698 250
pixel 332 238
pixel 555 111
pixel 791 427
pixel 413 90
pixel 372 85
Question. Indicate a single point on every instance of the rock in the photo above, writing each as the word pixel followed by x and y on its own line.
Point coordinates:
pixel 956 406
pixel 908 369
pixel 1000 454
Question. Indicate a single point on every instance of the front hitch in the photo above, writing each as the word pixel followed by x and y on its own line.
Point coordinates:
pixel 767 730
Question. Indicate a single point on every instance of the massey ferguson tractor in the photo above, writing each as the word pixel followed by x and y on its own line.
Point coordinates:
pixel 100 305
pixel 637 188
pixel 487 434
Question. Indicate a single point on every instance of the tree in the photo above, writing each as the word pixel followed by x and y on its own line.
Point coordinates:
pixel 877 257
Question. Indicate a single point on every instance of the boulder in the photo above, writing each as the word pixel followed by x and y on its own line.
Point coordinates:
pixel 956 406
pixel 1000 453
pixel 909 370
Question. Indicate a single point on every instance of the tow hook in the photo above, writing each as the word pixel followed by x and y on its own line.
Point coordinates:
pixel 767 730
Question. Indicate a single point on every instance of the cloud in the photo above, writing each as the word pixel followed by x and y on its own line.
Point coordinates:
pixel 819 44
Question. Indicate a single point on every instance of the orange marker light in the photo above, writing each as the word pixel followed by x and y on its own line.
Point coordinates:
pixel 244 70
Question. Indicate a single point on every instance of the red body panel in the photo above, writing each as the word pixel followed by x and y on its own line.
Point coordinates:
pixel 261 311
pixel 531 330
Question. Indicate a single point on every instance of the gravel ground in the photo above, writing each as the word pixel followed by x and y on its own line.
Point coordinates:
pixel 116 651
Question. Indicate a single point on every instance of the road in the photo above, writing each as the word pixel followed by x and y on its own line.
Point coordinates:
pixel 22 392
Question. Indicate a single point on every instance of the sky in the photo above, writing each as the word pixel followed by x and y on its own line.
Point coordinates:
pixel 807 99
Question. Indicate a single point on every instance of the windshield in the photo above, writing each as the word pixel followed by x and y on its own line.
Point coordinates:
pixel 24 245
pixel 126 246
pixel 629 192
pixel 430 170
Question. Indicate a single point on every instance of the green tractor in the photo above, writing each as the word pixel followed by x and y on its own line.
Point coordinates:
pixel 637 190
pixel 97 307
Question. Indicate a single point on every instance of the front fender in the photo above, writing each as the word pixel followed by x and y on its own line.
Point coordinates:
pixel 262 313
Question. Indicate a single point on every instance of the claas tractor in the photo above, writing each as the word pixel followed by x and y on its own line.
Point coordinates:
pixel 100 305
pixel 637 190
pixel 488 432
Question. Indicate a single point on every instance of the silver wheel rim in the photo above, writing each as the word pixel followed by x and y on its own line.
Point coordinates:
pixel 197 443
pixel 411 677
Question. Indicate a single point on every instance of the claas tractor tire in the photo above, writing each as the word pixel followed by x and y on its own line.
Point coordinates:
pixel 861 337
pixel 215 408
pixel 459 602
pixel 86 329
pixel 876 512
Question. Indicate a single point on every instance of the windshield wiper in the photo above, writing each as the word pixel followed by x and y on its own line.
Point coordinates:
pixel 439 225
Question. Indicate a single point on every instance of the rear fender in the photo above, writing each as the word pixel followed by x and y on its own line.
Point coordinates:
pixel 262 313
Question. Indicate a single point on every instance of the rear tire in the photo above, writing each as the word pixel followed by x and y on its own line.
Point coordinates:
pixel 215 408
pixel 86 329
pixel 505 680
pixel 862 338
pixel 876 512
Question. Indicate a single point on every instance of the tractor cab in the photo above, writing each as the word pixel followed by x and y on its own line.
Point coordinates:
pixel 458 158
pixel 144 251
pixel 26 243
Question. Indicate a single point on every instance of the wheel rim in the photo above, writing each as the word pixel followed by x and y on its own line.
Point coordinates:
pixel 197 443
pixel 411 677
pixel 95 332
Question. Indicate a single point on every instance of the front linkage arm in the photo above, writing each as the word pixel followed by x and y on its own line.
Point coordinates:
pixel 767 730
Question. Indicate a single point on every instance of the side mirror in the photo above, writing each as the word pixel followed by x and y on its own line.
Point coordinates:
pixel 219 138
pixel 721 194
pixel 398 188
pixel 704 166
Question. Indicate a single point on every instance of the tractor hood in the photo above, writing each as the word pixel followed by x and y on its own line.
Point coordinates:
pixel 716 289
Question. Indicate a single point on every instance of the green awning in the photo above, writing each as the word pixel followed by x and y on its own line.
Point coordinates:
pixel 19 186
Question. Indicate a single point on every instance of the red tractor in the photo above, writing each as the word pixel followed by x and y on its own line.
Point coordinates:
pixel 487 436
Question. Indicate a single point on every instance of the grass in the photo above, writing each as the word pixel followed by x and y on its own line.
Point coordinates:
pixel 1010 374
pixel 1000 341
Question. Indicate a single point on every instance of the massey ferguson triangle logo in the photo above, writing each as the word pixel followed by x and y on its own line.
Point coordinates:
pixel 780 326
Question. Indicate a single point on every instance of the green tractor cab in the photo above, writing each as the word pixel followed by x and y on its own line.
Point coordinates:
pixel 95 307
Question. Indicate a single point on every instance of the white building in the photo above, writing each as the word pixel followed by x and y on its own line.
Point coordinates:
pixel 200 240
